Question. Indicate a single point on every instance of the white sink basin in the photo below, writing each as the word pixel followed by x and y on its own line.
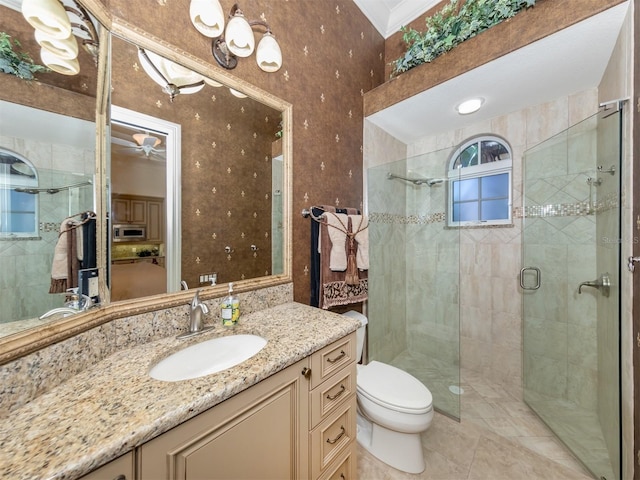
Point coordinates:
pixel 207 357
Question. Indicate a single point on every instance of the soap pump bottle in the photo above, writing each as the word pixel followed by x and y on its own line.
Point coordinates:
pixel 230 308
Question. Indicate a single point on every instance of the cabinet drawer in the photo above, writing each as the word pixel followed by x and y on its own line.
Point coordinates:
pixel 330 359
pixel 346 468
pixel 333 436
pixel 332 393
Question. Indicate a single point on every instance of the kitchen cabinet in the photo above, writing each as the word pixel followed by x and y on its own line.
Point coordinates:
pixel 148 211
pixel 127 209
pixel 155 220
pixel 122 468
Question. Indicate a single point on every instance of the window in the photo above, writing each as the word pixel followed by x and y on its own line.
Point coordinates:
pixel 480 183
pixel 18 196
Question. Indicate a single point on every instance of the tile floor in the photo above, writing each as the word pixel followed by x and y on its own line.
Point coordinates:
pixel 498 438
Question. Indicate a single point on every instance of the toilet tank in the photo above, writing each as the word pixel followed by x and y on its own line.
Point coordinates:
pixel 360 333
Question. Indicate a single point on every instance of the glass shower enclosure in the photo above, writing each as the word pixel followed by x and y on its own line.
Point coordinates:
pixel 414 308
pixel 570 284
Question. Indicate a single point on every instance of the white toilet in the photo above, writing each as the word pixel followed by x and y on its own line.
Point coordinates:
pixel 394 408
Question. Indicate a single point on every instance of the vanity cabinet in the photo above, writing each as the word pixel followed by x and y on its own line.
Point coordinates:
pixel 258 433
pixel 299 423
pixel 332 421
pixel 122 468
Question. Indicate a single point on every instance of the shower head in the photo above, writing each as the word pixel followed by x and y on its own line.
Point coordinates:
pixel 416 181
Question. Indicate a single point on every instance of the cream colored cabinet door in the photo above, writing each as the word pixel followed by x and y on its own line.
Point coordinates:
pixel 260 433
pixel 120 210
pixel 155 223
pixel 122 468
pixel 138 212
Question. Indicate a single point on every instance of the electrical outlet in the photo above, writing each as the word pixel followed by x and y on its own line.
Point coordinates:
pixel 209 278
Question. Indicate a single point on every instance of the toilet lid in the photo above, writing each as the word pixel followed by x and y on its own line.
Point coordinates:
pixel 393 388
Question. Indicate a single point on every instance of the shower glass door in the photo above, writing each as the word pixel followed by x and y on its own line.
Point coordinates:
pixel 570 281
pixel 414 275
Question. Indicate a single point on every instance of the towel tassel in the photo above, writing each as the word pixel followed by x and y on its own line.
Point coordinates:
pixel 352 277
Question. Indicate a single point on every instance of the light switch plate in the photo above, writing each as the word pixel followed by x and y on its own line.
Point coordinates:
pixel 88 284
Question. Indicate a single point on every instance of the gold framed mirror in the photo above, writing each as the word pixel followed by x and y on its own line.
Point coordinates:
pixel 31 339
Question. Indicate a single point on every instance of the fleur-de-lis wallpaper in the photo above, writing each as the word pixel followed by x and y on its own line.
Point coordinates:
pixel 332 55
pixel 226 169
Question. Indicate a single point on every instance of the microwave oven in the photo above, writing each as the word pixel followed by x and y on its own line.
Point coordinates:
pixel 129 233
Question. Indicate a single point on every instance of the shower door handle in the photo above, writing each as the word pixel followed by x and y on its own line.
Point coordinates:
pixel 603 283
pixel 536 270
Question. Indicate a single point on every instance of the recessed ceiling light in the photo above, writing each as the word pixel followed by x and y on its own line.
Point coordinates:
pixel 470 106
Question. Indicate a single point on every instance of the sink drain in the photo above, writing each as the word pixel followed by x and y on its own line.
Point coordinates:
pixel 456 390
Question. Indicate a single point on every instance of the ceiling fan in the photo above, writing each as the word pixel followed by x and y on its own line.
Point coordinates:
pixel 144 143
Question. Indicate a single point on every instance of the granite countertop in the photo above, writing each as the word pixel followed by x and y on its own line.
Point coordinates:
pixel 115 406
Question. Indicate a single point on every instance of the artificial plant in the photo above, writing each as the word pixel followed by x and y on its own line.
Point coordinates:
pixel 456 22
pixel 17 63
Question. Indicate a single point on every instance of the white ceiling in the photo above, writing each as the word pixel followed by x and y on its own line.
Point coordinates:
pixel 570 61
pixel 389 15
pixel 567 62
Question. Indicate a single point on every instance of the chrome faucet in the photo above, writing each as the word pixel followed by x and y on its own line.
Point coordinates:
pixel 75 303
pixel 196 310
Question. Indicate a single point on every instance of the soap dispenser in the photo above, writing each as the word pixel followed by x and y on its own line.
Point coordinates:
pixel 230 308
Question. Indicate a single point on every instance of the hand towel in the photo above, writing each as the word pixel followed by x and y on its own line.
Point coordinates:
pixel 337 230
pixel 360 227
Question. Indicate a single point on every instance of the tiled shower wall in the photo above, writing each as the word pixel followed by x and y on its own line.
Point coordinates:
pixel 25 275
pixel 490 258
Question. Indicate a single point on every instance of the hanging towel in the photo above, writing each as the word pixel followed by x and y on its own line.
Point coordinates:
pixel 329 288
pixel 64 258
pixel 360 227
pixel 337 229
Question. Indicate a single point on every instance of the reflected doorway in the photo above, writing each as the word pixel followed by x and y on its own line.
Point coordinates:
pixel 144 183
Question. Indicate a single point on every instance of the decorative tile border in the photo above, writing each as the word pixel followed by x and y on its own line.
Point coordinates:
pixel 397 219
pixel 608 202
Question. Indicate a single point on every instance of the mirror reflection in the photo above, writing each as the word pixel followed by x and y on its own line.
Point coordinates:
pixel 47 165
pixel 218 151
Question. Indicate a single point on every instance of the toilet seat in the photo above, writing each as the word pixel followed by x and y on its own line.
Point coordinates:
pixel 393 388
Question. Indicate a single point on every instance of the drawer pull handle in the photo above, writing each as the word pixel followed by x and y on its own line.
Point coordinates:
pixel 339 357
pixel 306 371
pixel 340 435
pixel 343 477
pixel 333 397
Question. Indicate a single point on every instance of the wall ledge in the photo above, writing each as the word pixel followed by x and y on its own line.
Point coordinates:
pixel 545 18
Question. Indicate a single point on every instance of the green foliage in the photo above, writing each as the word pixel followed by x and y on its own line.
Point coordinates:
pixel 452 25
pixel 19 64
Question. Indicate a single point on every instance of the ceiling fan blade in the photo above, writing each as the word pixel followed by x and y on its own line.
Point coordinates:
pixel 122 142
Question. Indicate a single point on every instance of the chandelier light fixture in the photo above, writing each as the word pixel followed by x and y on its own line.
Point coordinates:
pixel 173 78
pixel 56 27
pixel 237 39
